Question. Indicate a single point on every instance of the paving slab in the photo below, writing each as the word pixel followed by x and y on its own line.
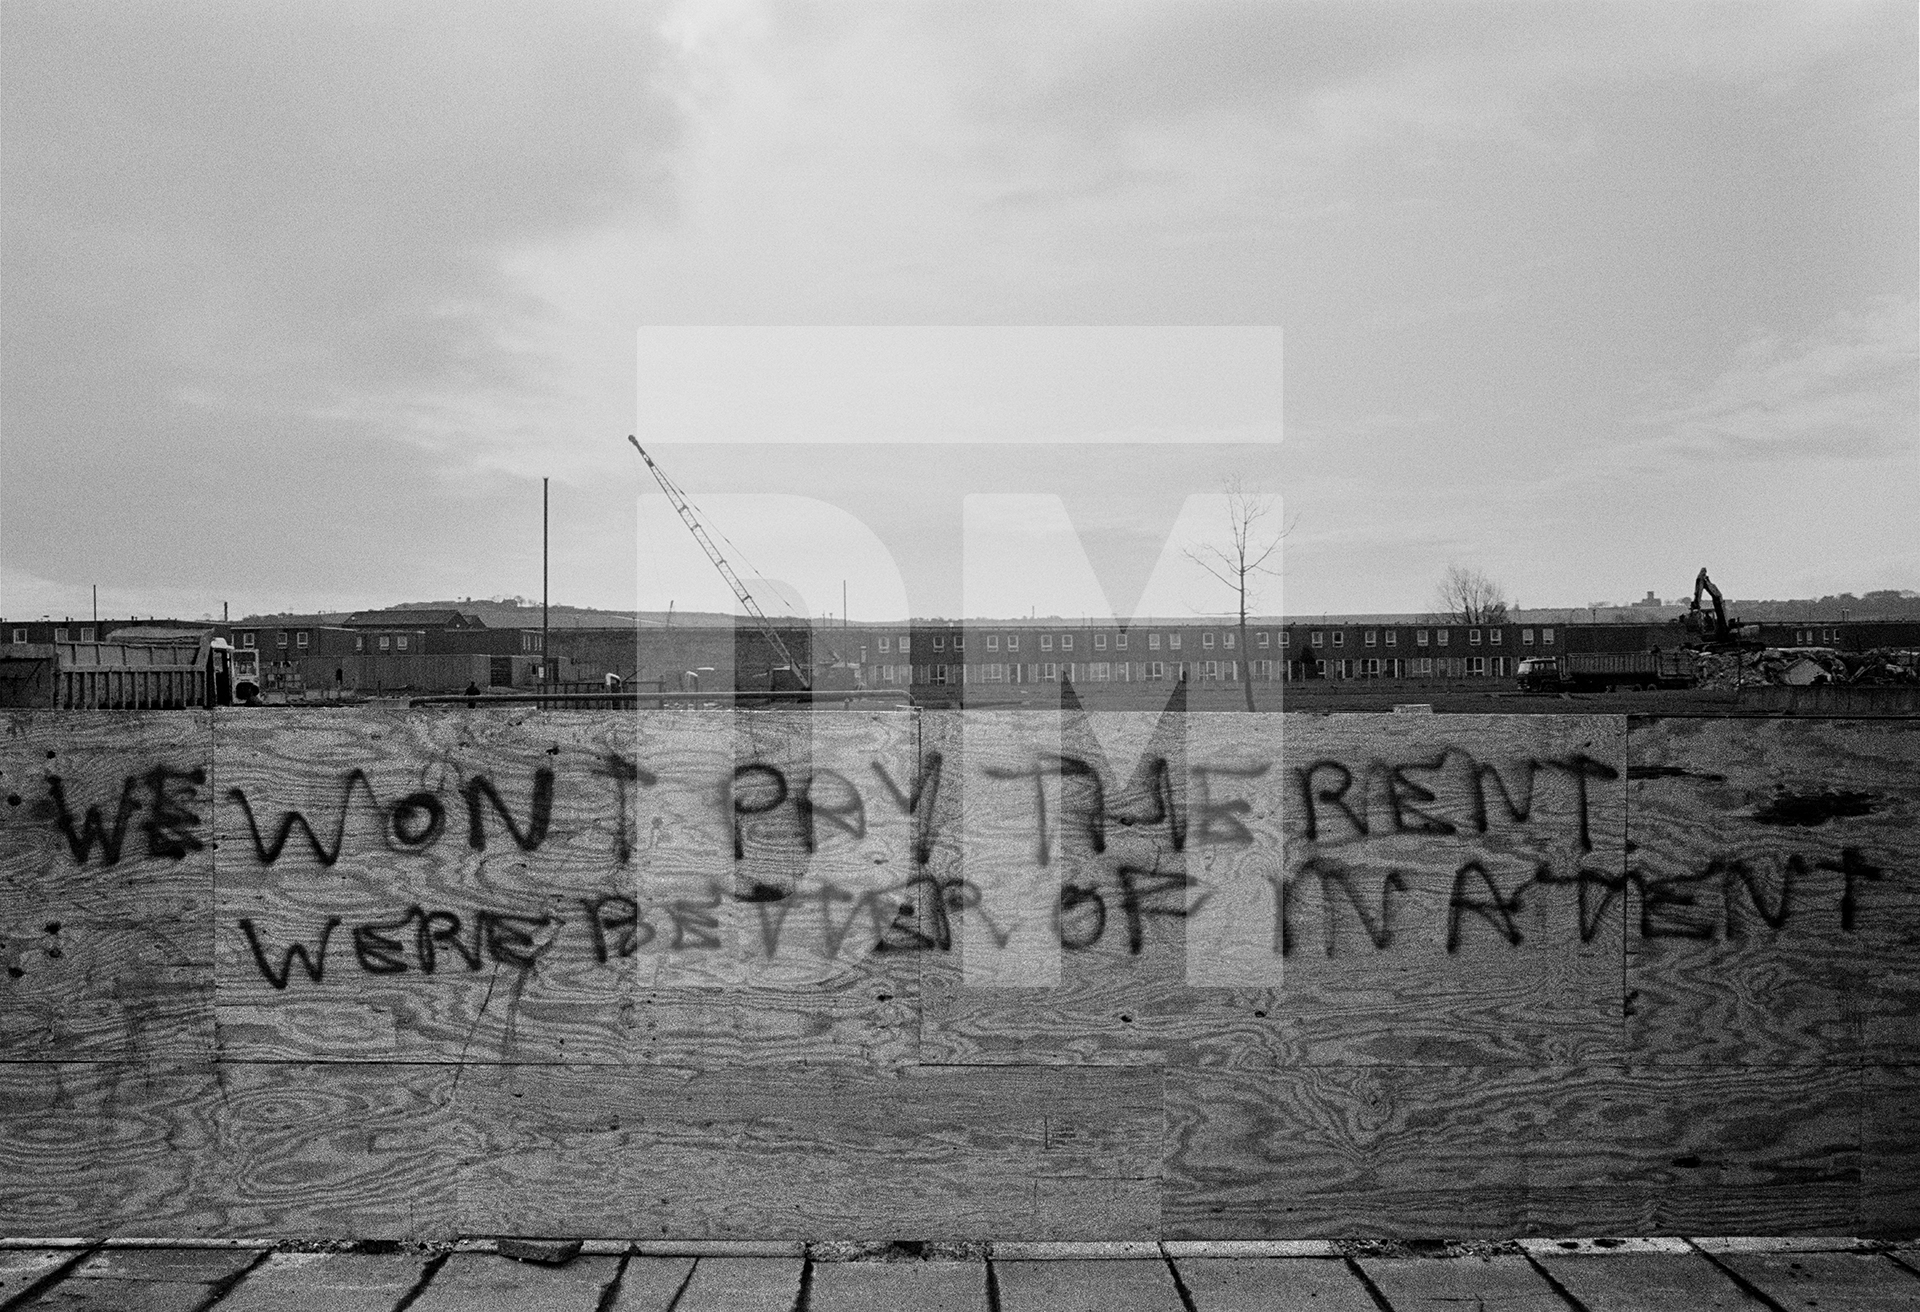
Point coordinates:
pixel 742 1284
pixel 650 1284
pixel 485 1282
pixel 1446 1284
pixel 1646 1282
pixel 1780 1244
pixel 1830 1282
pixel 889 1286
pixel 1273 1284
pixel 1094 1285
pixel 326 1282
pixel 21 1268
pixel 145 1280
pixel 1542 1247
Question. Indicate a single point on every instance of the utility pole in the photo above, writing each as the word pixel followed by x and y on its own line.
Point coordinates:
pixel 96 605
pixel 545 676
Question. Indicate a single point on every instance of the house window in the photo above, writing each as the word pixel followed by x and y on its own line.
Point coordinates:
pixel 60 635
pixel 20 635
pixel 1339 637
pixel 1420 637
pixel 1120 641
pixel 1099 642
pixel 300 640
pixel 1473 637
pixel 280 638
pixel 993 642
pixel 359 643
pixel 1393 637
pixel 1206 640
pixel 249 639
pixel 1442 635
pixel 1319 638
pixel 886 644
pixel 1546 637
pixel 1210 669
pixel 86 635
pixel 1266 639
pixel 385 642
pixel 1372 639
pixel 1156 670
pixel 1226 640
pixel 1370 667
pixel 1494 636
pixel 1049 672
pixel 1153 642
pixel 1526 637
pixel 1100 672
pixel 1476 665
pixel 401 642
pixel 1286 638
pixel 528 642
pixel 959 642
pixel 1173 641
pixel 1046 642
pixel 939 644
pixel 1066 642
pixel 1013 642
pixel 1423 665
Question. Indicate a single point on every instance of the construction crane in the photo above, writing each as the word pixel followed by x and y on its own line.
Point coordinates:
pixel 679 501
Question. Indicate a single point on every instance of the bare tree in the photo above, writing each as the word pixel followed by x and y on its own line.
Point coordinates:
pixel 1470 596
pixel 1251 542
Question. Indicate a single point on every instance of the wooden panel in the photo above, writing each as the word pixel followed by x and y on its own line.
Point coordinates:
pixel 1436 910
pixel 807 1153
pixel 1461 1152
pixel 1647 1282
pixel 1774 911
pixel 629 932
pixel 106 887
pixel 1890 1202
pixel 1273 1284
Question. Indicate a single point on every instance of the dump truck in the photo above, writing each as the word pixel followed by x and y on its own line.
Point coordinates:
pixel 129 671
pixel 1598 671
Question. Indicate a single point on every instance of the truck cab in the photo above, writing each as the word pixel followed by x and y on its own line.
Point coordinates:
pixel 1539 674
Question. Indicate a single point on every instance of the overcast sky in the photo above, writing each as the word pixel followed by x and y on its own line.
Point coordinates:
pixel 299 302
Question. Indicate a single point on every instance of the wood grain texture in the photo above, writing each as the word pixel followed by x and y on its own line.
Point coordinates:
pixel 1729 817
pixel 810 1152
pixel 625 932
pixel 106 888
pixel 1890 1153
pixel 1449 1152
pixel 1388 953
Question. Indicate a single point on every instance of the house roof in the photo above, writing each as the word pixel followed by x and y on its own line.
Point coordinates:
pixel 412 619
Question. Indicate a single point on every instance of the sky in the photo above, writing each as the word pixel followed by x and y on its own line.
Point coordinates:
pixel 972 308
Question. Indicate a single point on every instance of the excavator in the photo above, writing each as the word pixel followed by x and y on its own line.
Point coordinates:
pixel 1715 631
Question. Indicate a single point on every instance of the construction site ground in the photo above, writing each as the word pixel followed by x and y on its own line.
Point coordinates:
pixel 1537 1275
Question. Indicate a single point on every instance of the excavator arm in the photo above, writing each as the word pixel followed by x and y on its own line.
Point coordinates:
pixel 1722 631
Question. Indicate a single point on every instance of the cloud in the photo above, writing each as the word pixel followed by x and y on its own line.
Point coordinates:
pixel 1850 391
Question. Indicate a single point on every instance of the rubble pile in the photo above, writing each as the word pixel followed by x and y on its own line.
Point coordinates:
pixel 1807 666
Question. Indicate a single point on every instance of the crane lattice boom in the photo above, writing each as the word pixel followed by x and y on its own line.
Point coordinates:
pixel 678 500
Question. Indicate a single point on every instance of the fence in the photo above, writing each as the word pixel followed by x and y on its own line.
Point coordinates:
pixel 863 974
